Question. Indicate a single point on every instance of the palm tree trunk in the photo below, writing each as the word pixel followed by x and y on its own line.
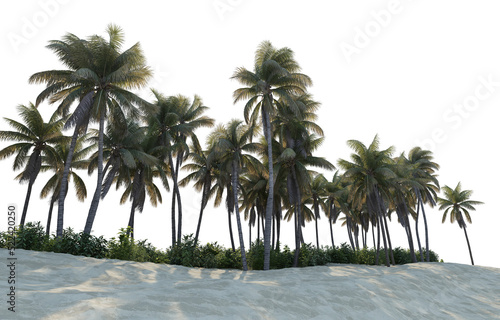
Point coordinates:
pixel 298 230
pixel 418 235
pixel 26 202
pixel 49 218
pixel 468 244
pixel 349 234
pixel 331 231
pixel 171 164
pixel 97 194
pixel 249 235
pixel 64 184
pixel 230 230
pixel 297 238
pixel 131 220
pixel 269 204
pixel 381 222
pixel 389 239
pixel 204 200
pixel 237 212
pixel 316 216
pixel 179 203
pixel 425 227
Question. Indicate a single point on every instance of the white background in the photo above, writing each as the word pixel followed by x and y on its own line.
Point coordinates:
pixel 410 64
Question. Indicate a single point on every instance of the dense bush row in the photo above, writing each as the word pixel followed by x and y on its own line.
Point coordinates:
pixel 211 255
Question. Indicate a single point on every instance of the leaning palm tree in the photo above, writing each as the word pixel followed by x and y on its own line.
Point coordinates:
pixel 53 185
pixel 275 75
pixel 457 202
pixel 317 198
pixel 34 134
pixel 98 78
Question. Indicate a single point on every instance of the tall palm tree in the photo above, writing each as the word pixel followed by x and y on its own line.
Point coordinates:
pixel 276 75
pixel 334 191
pixel 190 115
pixel 234 145
pixel 371 178
pixel 457 202
pixel 99 77
pixel 423 170
pixel 53 186
pixel 34 134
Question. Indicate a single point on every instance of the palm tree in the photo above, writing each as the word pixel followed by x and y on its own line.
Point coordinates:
pixel 190 116
pixel 141 176
pixel 33 134
pixel 457 202
pixel 99 76
pixel 275 75
pixel 317 195
pixel 53 185
pixel 202 167
pixel 423 172
pixel 334 191
pixel 233 142
pixel 371 178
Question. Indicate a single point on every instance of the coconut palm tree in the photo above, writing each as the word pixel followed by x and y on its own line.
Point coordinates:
pixel 190 114
pixel 334 191
pixel 234 146
pixel 99 77
pixel 371 178
pixel 457 202
pixel 203 165
pixel 423 171
pixel 276 75
pixel 317 198
pixel 141 182
pixel 33 135
pixel 53 186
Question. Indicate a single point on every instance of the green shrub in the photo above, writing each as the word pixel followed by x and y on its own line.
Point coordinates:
pixel 78 244
pixel 185 253
pixel 31 236
pixel 365 256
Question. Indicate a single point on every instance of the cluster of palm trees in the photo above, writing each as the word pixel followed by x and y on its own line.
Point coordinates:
pixel 262 166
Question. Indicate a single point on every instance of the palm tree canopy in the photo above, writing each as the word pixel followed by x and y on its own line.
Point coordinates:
pixel 457 202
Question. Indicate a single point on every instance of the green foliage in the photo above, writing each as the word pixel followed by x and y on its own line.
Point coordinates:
pixel 31 236
pixel 210 255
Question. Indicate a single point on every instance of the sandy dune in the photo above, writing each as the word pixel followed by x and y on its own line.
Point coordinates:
pixel 62 286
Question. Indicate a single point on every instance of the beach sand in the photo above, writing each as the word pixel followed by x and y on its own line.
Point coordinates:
pixel 62 286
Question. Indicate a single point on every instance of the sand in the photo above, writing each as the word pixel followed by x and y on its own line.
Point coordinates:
pixel 62 286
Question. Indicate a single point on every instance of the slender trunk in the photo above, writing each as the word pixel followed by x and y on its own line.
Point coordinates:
pixel 204 200
pixel 373 235
pixel 231 230
pixel 49 218
pixel 170 163
pixel 97 194
pixel 331 231
pixel 316 216
pixel 381 222
pixel 179 216
pixel 258 228
pixel 378 242
pixel 237 212
pixel 297 239
pixel 273 232
pixel 418 235
pixel 131 220
pixel 389 239
pixel 468 244
pixel 298 235
pixel 425 227
pixel 349 233
pixel 410 243
pixel 249 235
pixel 64 184
pixel 26 202
pixel 269 204
pixel 278 227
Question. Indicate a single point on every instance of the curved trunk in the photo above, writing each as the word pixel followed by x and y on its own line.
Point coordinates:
pixel 468 244
pixel 49 218
pixel 64 184
pixel 349 233
pixel 316 216
pixel 387 261
pixel 269 204
pixel 131 220
pixel 237 212
pixel 97 194
pixel 418 235
pixel 204 200
pixel 425 227
pixel 230 223
pixel 298 226
pixel 389 240
pixel 171 164
pixel 179 211
pixel 26 202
